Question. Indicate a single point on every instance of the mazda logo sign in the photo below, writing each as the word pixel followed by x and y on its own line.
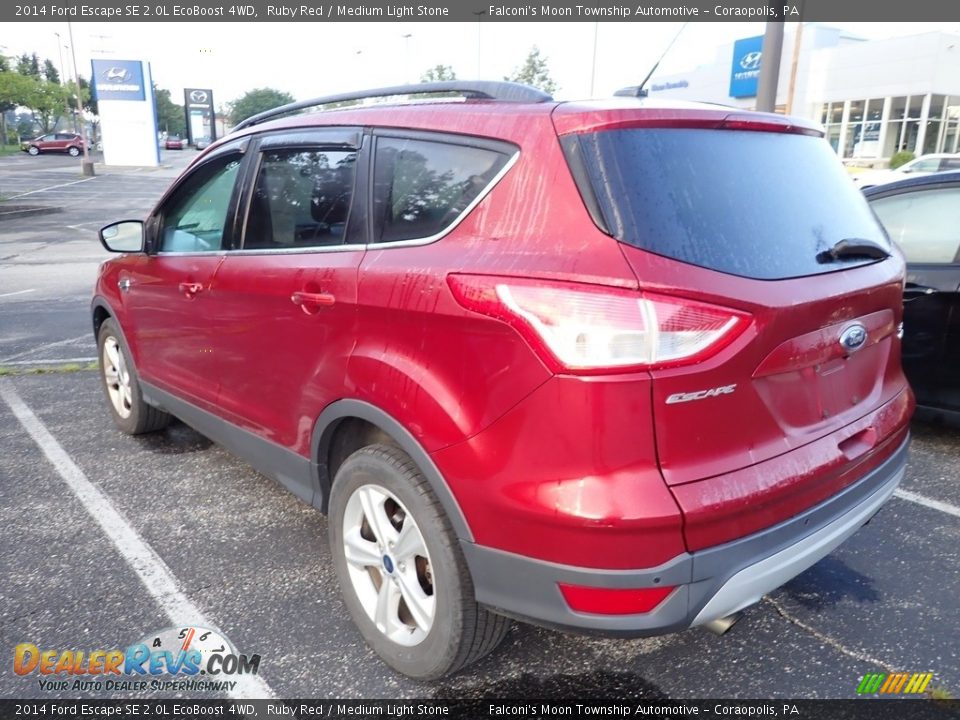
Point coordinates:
pixel 198 96
pixel 751 61
pixel 853 338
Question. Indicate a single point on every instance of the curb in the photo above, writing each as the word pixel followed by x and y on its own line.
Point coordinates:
pixel 16 211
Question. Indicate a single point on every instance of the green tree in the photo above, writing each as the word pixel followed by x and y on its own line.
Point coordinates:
pixel 534 72
pixel 50 72
pixel 47 102
pixel 89 102
pixel 170 117
pixel 438 73
pixel 257 101
pixel 14 91
pixel 29 65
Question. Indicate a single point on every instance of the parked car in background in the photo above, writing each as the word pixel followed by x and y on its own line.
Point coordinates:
pixel 70 143
pixel 923 165
pixel 174 142
pixel 922 215
pixel 620 367
pixel 203 143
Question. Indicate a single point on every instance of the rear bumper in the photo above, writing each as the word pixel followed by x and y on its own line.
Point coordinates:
pixel 710 583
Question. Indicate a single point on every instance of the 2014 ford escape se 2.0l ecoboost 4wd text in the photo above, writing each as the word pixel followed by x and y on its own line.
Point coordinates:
pixel 617 366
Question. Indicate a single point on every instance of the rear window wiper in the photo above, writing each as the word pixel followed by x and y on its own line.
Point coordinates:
pixel 853 249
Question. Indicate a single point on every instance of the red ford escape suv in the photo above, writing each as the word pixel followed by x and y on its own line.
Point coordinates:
pixel 618 367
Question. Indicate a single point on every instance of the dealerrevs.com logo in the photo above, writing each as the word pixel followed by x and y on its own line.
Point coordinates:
pixel 197 658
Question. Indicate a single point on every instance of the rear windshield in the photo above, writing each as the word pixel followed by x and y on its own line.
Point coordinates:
pixel 755 204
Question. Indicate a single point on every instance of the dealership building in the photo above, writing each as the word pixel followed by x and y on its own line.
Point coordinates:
pixel 873 97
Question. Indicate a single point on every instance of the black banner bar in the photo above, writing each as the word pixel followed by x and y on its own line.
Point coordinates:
pixel 862 709
pixel 474 10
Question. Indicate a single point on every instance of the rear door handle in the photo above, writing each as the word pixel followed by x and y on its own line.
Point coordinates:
pixel 301 298
pixel 191 288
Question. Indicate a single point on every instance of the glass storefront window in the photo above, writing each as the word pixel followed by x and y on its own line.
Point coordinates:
pixel 856 111
pixel 932 137
pixel 898 106
pixel 936 106
pixel 916 105
pixel 833 137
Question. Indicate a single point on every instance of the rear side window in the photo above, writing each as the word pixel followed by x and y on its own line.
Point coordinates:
pixel 754 204
pixel 301 199
pixel 923 223
pixel 422 187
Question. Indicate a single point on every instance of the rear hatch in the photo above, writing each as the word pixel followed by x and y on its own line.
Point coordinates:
pixel 753 213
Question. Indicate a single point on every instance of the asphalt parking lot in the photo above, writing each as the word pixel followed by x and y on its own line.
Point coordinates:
pixel 86 514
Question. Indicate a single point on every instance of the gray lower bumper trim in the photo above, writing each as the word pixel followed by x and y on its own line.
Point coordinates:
pixel 710 583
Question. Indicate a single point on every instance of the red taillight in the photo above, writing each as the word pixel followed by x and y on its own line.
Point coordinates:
pixel 594 329
pixel 613 601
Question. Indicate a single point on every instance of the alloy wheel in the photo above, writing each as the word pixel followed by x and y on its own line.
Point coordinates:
pixel 389 565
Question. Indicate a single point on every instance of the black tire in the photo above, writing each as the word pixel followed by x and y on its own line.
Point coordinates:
pixel 462 631
pixel 74 151
pixel 33 150
pixel 140 417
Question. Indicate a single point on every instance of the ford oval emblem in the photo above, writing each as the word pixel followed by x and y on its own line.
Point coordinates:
pixel 853 338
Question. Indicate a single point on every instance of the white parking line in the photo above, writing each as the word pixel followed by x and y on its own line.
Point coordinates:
pixel 927 502
pixel 52 187
pixel 150 567
pixel 18 292
pixel 45 346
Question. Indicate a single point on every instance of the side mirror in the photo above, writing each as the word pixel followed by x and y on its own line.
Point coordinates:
pixel 125 236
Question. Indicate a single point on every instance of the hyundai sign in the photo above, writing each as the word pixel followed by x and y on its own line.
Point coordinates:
pixel 118 80
pixel 745 70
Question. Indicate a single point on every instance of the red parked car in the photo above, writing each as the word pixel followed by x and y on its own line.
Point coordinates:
pixel 70 143
pixel 173 142
pixel 616 366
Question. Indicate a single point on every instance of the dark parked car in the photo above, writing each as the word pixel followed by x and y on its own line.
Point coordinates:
pixel 174 142
pixel 922 215
pixel 70 143
pixel 617 366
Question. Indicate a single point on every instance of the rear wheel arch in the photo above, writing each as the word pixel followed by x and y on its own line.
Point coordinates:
pixel 345 426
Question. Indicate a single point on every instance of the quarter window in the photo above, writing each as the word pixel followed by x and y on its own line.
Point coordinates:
pixel 301 199
pixel 923 223
pixel 423 187
pixel 196 217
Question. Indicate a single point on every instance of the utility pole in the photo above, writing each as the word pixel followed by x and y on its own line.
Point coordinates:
pixel 797 40
pixel 593 63
pixel 479 14
pixel 770 67
pixel 86 165
pixel 406 56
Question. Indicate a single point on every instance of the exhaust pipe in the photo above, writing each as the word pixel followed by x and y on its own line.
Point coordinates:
pixel 721 625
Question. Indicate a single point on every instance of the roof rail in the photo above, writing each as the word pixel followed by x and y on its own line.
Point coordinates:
pixel 481 89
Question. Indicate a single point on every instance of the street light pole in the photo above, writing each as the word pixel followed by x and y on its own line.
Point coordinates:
pixel 86 165
pixel 63 75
